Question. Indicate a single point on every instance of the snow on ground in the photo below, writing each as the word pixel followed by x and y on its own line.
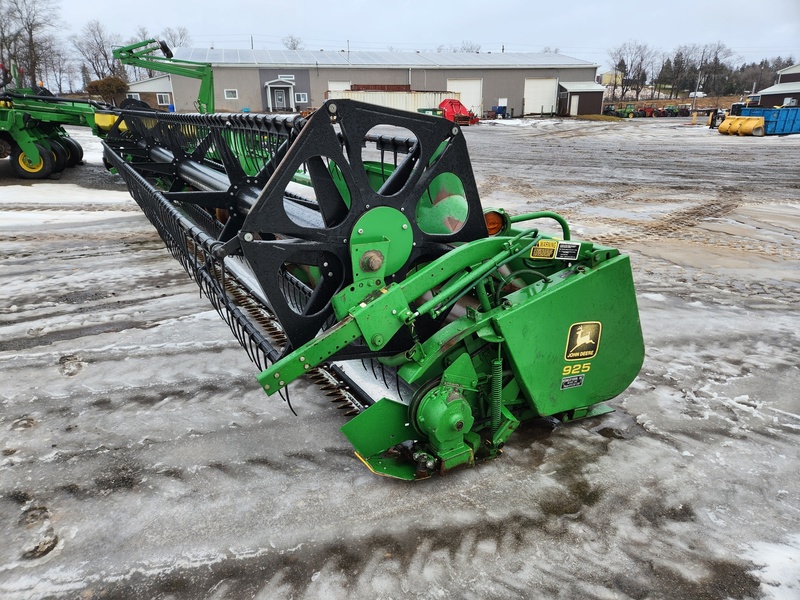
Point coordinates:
pixel 139 458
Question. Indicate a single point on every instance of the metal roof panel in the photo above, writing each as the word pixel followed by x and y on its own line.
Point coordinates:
pixel 582 86
pixel 328 58
pixel 782 88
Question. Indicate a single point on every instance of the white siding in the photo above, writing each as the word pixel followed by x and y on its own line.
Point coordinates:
pixel 410 101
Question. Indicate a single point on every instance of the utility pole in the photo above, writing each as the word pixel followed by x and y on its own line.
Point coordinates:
pixel 699 74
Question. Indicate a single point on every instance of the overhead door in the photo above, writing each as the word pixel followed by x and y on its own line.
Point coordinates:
pixel 337 86
pixel 540 96
pixel 471 91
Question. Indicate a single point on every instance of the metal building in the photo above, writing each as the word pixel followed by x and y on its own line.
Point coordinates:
pixel 295 80
pixel 786 91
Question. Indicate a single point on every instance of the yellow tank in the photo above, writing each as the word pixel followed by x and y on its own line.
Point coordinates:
pixel 105 121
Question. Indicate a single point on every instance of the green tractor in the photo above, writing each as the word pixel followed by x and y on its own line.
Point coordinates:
pixel 626 112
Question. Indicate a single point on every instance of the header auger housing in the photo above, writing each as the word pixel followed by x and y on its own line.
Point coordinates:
pixel 352 247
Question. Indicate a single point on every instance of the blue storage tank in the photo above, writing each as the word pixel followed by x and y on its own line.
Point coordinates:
pixel 777 121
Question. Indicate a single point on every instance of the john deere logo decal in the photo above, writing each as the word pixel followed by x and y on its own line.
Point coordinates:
pixel 583 340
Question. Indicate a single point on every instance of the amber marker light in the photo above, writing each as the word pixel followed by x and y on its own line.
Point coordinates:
pixel 494 222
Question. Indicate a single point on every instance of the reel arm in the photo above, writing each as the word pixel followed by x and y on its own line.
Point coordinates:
pixel 379 312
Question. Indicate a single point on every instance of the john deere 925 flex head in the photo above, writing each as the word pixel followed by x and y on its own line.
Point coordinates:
pixel 352 247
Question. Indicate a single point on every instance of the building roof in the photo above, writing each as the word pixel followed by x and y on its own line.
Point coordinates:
pixel 582 86
pixel 327 58
pixel 782 88
pixel 788 70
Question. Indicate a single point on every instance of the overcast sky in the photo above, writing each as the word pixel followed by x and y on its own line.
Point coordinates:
pixel 583 29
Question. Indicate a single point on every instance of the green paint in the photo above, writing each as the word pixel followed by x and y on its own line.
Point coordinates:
pixel 566 337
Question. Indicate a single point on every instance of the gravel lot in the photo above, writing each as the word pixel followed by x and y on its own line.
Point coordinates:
pixel 140 459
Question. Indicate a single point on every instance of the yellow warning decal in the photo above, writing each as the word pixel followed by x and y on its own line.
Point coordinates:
pixel 583 340
pixel 544 250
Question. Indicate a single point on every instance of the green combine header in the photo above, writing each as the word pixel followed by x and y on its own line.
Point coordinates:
pixel 351 247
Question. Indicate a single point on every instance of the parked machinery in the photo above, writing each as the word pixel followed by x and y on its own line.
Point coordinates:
pixel 760 121
pixel 351 247
pixel 32 120
pixel 32 130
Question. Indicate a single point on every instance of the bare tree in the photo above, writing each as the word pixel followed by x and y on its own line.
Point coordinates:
pixel 468 46
pixel 177 37
pixel 292 42
pixel 56 67
pixel 32 18
pixel 715 70
pixel 636 58
pixel 135 73
pixel 655 66
pixel 140 34
pixel 620 68
pixel 9 36
pixel 95 46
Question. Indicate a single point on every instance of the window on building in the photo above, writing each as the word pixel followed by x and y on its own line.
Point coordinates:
pixel 286 77
pixel 162 99
pixel 231 94
pixel 133 95
pixel 301 98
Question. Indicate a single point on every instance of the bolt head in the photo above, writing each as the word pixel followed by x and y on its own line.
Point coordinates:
pixel 371 261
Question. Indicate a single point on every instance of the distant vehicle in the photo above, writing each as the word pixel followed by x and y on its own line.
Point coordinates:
pixel 697 95
pixel 753 101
